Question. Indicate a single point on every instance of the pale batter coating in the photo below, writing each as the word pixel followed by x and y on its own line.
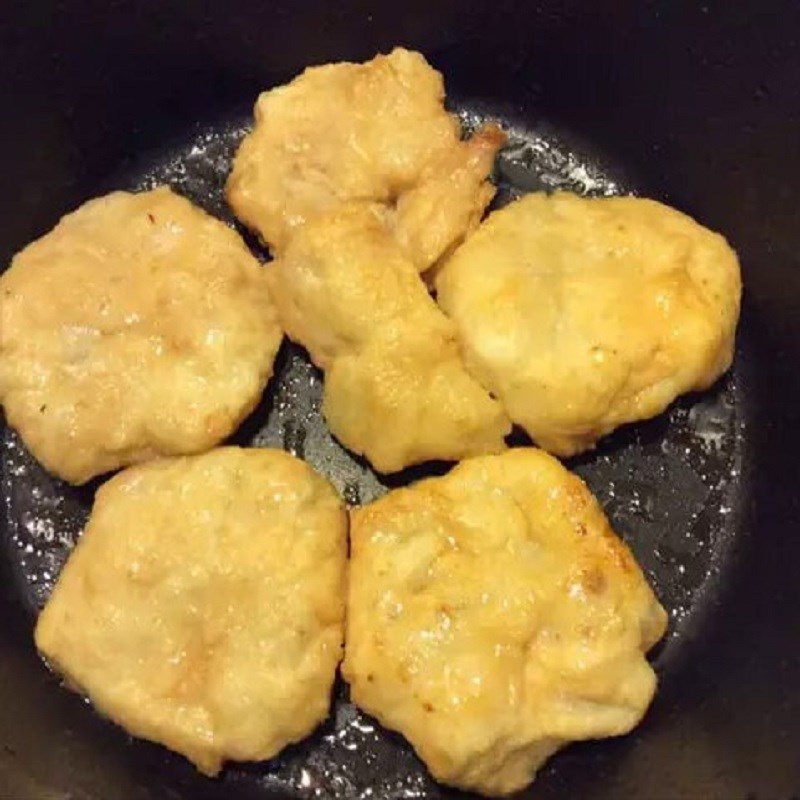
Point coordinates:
pixel 583 314
pixel 376 131
pixel 139 326
pixel 448 201
pixel 203 606
pixel 493 616
pixel 395 388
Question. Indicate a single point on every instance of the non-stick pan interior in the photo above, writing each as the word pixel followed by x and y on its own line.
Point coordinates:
pixel 675 488
pixel 698 104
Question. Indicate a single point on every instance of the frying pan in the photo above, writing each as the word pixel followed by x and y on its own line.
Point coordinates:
pixel 695 104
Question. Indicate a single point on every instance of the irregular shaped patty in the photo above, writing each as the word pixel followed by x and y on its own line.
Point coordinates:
pixel 494 616
pixel 376 131
pixel 203 606
pixel 583 314
pixel 395 388
pixel 139 326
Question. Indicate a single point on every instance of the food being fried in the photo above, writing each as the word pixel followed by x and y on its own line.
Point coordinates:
pixel 203 606
pixel 493 616
pixel 376 131
pixel 395 388
pixel 581 315
pixel 139 326
pixel 449 199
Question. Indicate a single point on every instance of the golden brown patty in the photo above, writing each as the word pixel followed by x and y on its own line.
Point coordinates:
pixel 203 606
pixel 139 326
pixel 583 314
pixel 396 390
pixel 493 617
pixel 370 132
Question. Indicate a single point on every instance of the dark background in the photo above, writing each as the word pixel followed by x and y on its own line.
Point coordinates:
pixel 700 101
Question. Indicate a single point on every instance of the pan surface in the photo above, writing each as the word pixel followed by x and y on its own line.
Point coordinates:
pixel 673 487
pixel 694 104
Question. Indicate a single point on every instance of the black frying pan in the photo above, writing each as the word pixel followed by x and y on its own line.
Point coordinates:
pixel 698 105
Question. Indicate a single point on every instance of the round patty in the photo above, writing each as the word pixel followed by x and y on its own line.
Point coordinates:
pixel 139 326
pixel 580 314
pixel 494 616
pixel 203 606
